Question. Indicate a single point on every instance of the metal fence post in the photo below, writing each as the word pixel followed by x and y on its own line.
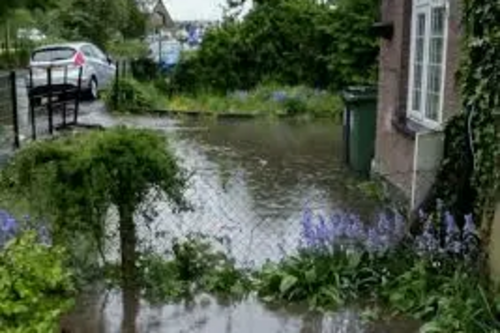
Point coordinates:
pixel 64 95
pixel 49 105
pixel 32 107
pixel 78 95
pixel 15 119
pixel 116 88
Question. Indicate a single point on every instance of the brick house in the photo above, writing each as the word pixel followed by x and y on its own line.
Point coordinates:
pixel 159 18
pixel 419 57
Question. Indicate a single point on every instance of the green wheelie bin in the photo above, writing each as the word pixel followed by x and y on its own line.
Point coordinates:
pixel 360 119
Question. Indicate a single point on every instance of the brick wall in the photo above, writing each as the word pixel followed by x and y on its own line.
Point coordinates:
pixel 394 151
pixel 394 147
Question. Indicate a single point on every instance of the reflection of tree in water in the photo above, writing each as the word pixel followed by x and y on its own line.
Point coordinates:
pixel 130 302
pixel 281 162
pixel 312 323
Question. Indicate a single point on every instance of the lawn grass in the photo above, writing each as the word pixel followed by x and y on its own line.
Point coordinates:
pixel 271 100
pixel 265 100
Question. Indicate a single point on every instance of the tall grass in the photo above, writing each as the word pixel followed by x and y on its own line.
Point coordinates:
pixel 272 100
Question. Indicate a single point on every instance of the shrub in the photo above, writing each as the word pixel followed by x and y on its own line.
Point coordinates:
pixel 289 41
pixel 129 96
pixel 36 289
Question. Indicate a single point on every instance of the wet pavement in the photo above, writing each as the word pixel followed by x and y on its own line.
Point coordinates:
pixel 250 183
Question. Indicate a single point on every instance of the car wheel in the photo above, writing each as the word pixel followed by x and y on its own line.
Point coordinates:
pixel 93 89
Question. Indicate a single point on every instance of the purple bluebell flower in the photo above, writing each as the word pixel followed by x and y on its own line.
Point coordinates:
pixel 8 224
pixel 8 227
pixel 384 224
pixel 279 96
pixel 470 237
pixel 373 242
pixel 307 228
pixel 355 230
pixel 469 226
pixel 399 226
pixel 44 235
pixel 451 226
pixel 322 232
pixel 427 243
pixel 452 237
pixel 242 95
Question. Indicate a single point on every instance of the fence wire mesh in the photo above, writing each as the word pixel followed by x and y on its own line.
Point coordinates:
pixel 226 214
pixel 6 115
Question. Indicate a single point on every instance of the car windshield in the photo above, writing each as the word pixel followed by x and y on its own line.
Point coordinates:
pixel 53 54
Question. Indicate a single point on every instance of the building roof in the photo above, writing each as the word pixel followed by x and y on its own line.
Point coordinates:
pixel 149 6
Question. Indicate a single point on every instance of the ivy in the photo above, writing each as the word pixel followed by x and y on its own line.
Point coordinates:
pixel 470 177
pixel 480 79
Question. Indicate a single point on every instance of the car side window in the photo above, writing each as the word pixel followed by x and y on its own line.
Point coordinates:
pixel 99 54
pixel 88 52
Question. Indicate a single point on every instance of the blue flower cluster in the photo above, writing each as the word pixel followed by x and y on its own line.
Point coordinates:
pixel 349 231
pixel 10 227
pixel 440 235
pixel 241 95
pixel 279 96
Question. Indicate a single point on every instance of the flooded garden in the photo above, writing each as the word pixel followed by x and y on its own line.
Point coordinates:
pixel 260 228
pixel 251 185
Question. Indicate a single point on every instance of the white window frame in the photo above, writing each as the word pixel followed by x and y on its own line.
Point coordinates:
pixel 425 7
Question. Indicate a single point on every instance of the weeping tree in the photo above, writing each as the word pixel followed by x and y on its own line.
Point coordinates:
pixel 73 183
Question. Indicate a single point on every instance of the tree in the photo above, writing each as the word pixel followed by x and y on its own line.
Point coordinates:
pixel 101 21
pixel 291 42
pixel 73 182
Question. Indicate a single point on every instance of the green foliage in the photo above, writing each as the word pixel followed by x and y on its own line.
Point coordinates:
pixel 7 6
pixel 35 287
pixel 445 296
pixel 99 21
pixel 479 79
pixel 72 182
pixel 298 101
pixel 470 181
pixel 290 41
pixel 128 95
pixel 128 49
pixel 193 266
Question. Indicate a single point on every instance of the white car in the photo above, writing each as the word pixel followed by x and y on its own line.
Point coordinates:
pixel 65 62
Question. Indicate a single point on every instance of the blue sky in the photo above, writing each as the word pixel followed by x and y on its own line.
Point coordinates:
pixel 195 9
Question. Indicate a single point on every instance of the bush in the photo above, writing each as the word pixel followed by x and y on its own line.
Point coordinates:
pixel 129 96
pixel 292 42
pixel 191 266
pixel 36 289
pixel 145 69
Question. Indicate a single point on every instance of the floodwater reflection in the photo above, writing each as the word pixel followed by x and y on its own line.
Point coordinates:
pixel 207 314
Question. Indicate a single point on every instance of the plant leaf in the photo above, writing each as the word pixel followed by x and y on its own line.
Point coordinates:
pixel 287 283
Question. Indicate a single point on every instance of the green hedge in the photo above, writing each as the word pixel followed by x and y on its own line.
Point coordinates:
pixel 291 42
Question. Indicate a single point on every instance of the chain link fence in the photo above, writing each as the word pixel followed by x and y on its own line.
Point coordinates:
pixel 8 114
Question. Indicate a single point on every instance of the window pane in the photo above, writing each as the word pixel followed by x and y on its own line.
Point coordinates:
pixel 438 21
pixel 418 64
pixel 432 107
pixel 435 63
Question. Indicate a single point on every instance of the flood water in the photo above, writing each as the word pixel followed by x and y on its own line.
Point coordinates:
pixel 250 183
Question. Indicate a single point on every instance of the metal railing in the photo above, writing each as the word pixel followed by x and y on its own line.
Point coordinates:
pixel 32 108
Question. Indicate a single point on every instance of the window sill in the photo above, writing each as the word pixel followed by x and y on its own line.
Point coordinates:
pixel 410 128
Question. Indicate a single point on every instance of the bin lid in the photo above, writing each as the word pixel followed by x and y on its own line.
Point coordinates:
pixel 359 93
